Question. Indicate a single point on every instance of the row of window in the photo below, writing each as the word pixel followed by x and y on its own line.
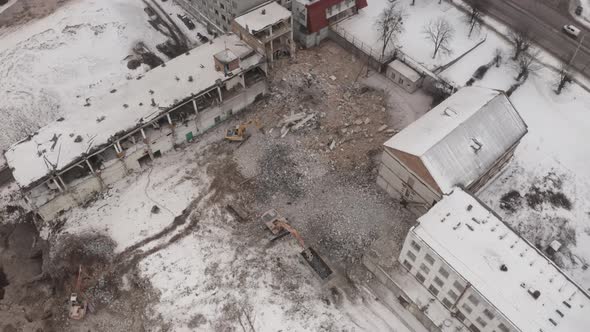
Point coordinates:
pixel 439 282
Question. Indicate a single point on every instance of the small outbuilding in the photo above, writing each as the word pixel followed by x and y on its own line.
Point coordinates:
pixel 404 76
pixel 463 142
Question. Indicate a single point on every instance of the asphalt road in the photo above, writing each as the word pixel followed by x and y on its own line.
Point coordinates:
pixel 546 23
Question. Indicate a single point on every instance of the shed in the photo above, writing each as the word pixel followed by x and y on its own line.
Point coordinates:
pixel 404 75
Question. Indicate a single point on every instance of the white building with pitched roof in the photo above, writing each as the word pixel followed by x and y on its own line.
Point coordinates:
pixel 488 276
pixel 464 141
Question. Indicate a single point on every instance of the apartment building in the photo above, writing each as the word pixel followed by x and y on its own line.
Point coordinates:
pixel 222 12
pixel 67 162
pixel 486 275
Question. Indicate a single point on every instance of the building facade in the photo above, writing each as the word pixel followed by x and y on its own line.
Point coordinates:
pixel 486 275
pixel 465 141
pixel 313 17
pixel 222 12
pixel 268 29
pixel 67 162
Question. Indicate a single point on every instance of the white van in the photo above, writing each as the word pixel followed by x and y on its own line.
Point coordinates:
pixel 571 30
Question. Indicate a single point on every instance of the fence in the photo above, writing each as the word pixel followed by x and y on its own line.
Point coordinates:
pixel 360 45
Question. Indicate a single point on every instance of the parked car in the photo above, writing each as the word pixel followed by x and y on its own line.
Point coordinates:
pixel 579 10
pixel 571 30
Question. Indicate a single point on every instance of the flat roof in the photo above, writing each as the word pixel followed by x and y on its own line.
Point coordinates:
pixel 405 70
pixel 461 138
pixel 255 20
pixel 123 109
pixel 475 243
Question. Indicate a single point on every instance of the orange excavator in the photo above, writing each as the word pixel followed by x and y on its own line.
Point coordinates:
pixel 279 226
pixel 78 306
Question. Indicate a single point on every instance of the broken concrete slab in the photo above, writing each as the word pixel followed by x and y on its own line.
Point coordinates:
pixel 303 122
pixel 382 128
pixel 293 118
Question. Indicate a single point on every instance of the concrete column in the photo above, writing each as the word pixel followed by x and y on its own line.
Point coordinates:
pixel 195 106
pixel 58 185
pixel 62 182
pixel 95 174
pixel 220 96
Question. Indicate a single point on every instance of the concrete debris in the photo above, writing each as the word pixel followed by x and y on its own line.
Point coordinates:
pixel 382 128
pixel 358 122
pixel 303 122
pixel 367 121
pixel 332 145
pixel 284 131
pixel 293 118
pixel 333 78
pixel 392 131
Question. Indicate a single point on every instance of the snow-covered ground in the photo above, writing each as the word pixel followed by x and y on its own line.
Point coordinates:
pixel 49 66
pixel 413 41
pixel 219 273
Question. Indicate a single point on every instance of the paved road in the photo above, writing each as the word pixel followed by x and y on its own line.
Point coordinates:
pixel 546 23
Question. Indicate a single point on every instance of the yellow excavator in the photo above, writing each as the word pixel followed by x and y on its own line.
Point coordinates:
pixel 238 133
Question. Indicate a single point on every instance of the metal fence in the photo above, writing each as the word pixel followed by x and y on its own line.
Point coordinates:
pixel 359 44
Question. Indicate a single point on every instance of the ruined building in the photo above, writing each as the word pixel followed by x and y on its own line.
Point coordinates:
pixel 68 161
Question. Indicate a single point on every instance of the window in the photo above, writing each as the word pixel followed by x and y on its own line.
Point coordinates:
pixel 458 286
pixel 420 277
pixel 481 322
pixel 452 295
pixel 447 303
pixel 439 282
pixel 503 328
pixel 429 259
pixel 433 290
pixel 467 308
pixel 443 272
pixel 473 299
pixel 412 256
pixel 415 246
pixel 488 314
pixel 407 264
pixel 473 328
pixel 424 268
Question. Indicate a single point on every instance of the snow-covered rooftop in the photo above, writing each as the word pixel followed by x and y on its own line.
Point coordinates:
pixel 263 17
pixel 405 70
pixel 461 138
pixel 123 109
pixel 475 243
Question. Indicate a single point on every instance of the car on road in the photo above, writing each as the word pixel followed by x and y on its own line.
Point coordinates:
pixel 571 30
pixel 579 10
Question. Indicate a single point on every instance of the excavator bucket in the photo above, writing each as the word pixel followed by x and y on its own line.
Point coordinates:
pixel 317 263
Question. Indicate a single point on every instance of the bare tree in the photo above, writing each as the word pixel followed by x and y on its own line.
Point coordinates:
pixel 441 33
pixel 389 25
pixel 563 77
pixel 522 39
pixel 527 63
pixel 475 18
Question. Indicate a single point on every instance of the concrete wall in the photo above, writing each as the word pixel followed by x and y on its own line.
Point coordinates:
pixel 50 203
pixel 451 289
pixel 404 184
